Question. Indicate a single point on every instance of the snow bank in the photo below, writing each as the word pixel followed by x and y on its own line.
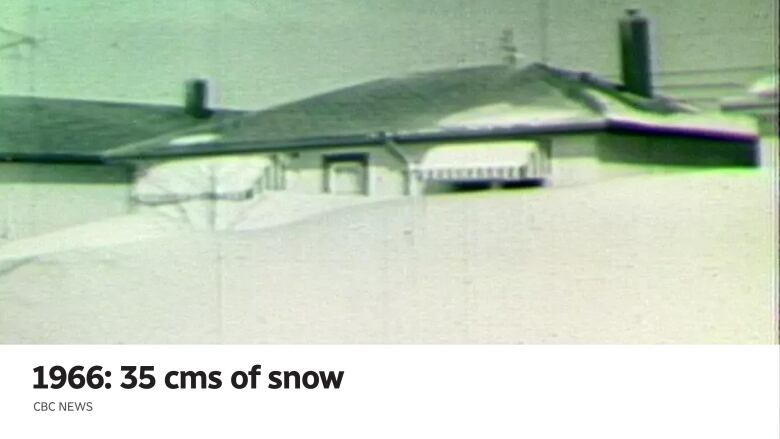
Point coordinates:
pixel 232 178
pixel 509 115
pixel 206 193
pixel 683 258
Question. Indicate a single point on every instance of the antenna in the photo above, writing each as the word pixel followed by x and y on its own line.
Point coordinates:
pixel 509 52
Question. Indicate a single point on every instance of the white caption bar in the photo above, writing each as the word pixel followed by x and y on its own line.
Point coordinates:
pixel 393 391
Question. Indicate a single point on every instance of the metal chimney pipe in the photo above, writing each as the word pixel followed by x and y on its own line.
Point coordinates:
pixel 636 56
pixel 196 99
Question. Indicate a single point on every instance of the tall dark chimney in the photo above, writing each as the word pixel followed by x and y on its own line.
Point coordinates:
pixel 635 54
pixel 196 98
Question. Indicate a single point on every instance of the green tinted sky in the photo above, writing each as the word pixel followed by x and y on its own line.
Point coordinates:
pixel 265 52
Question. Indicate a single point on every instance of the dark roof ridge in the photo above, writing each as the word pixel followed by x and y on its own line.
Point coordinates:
pixel 616 90
pixel 116 103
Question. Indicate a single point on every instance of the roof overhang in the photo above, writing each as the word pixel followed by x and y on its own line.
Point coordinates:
pixel 520 131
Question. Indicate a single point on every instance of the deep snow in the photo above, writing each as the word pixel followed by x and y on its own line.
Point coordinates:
pixel 670 258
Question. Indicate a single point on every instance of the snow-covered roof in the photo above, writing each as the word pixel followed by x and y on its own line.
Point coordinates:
pixel 50 129
pixel 445 104
pixel 451 104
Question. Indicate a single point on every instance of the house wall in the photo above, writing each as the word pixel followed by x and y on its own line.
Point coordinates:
pixel 416 154
pixel 305 171
pixel 233 177
pixel 580 159
pixel 676 151
pixel 39 198
pixel 767 122
pixel 219 192
pixel 574 159
pixel 768 128
pixel 209 193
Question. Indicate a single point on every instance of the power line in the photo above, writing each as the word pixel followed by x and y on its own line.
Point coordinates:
pixel 18 39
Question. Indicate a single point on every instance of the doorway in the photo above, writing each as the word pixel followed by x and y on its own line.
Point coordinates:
pixel 346 174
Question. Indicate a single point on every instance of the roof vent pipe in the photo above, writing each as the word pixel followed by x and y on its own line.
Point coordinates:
pixel 635 54
pixel 196 98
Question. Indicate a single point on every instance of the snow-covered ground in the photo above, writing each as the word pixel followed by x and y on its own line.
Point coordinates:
pixel 667 258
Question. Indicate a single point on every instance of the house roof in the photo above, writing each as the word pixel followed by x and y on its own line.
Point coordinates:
pixel 503 101
pixel 446 104
pixel 760 97
pixel 76 130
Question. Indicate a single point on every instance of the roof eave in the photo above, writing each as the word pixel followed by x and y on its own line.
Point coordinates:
pixel 52 158
pixel 692 132
pixel 247 146
pixel 250 146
